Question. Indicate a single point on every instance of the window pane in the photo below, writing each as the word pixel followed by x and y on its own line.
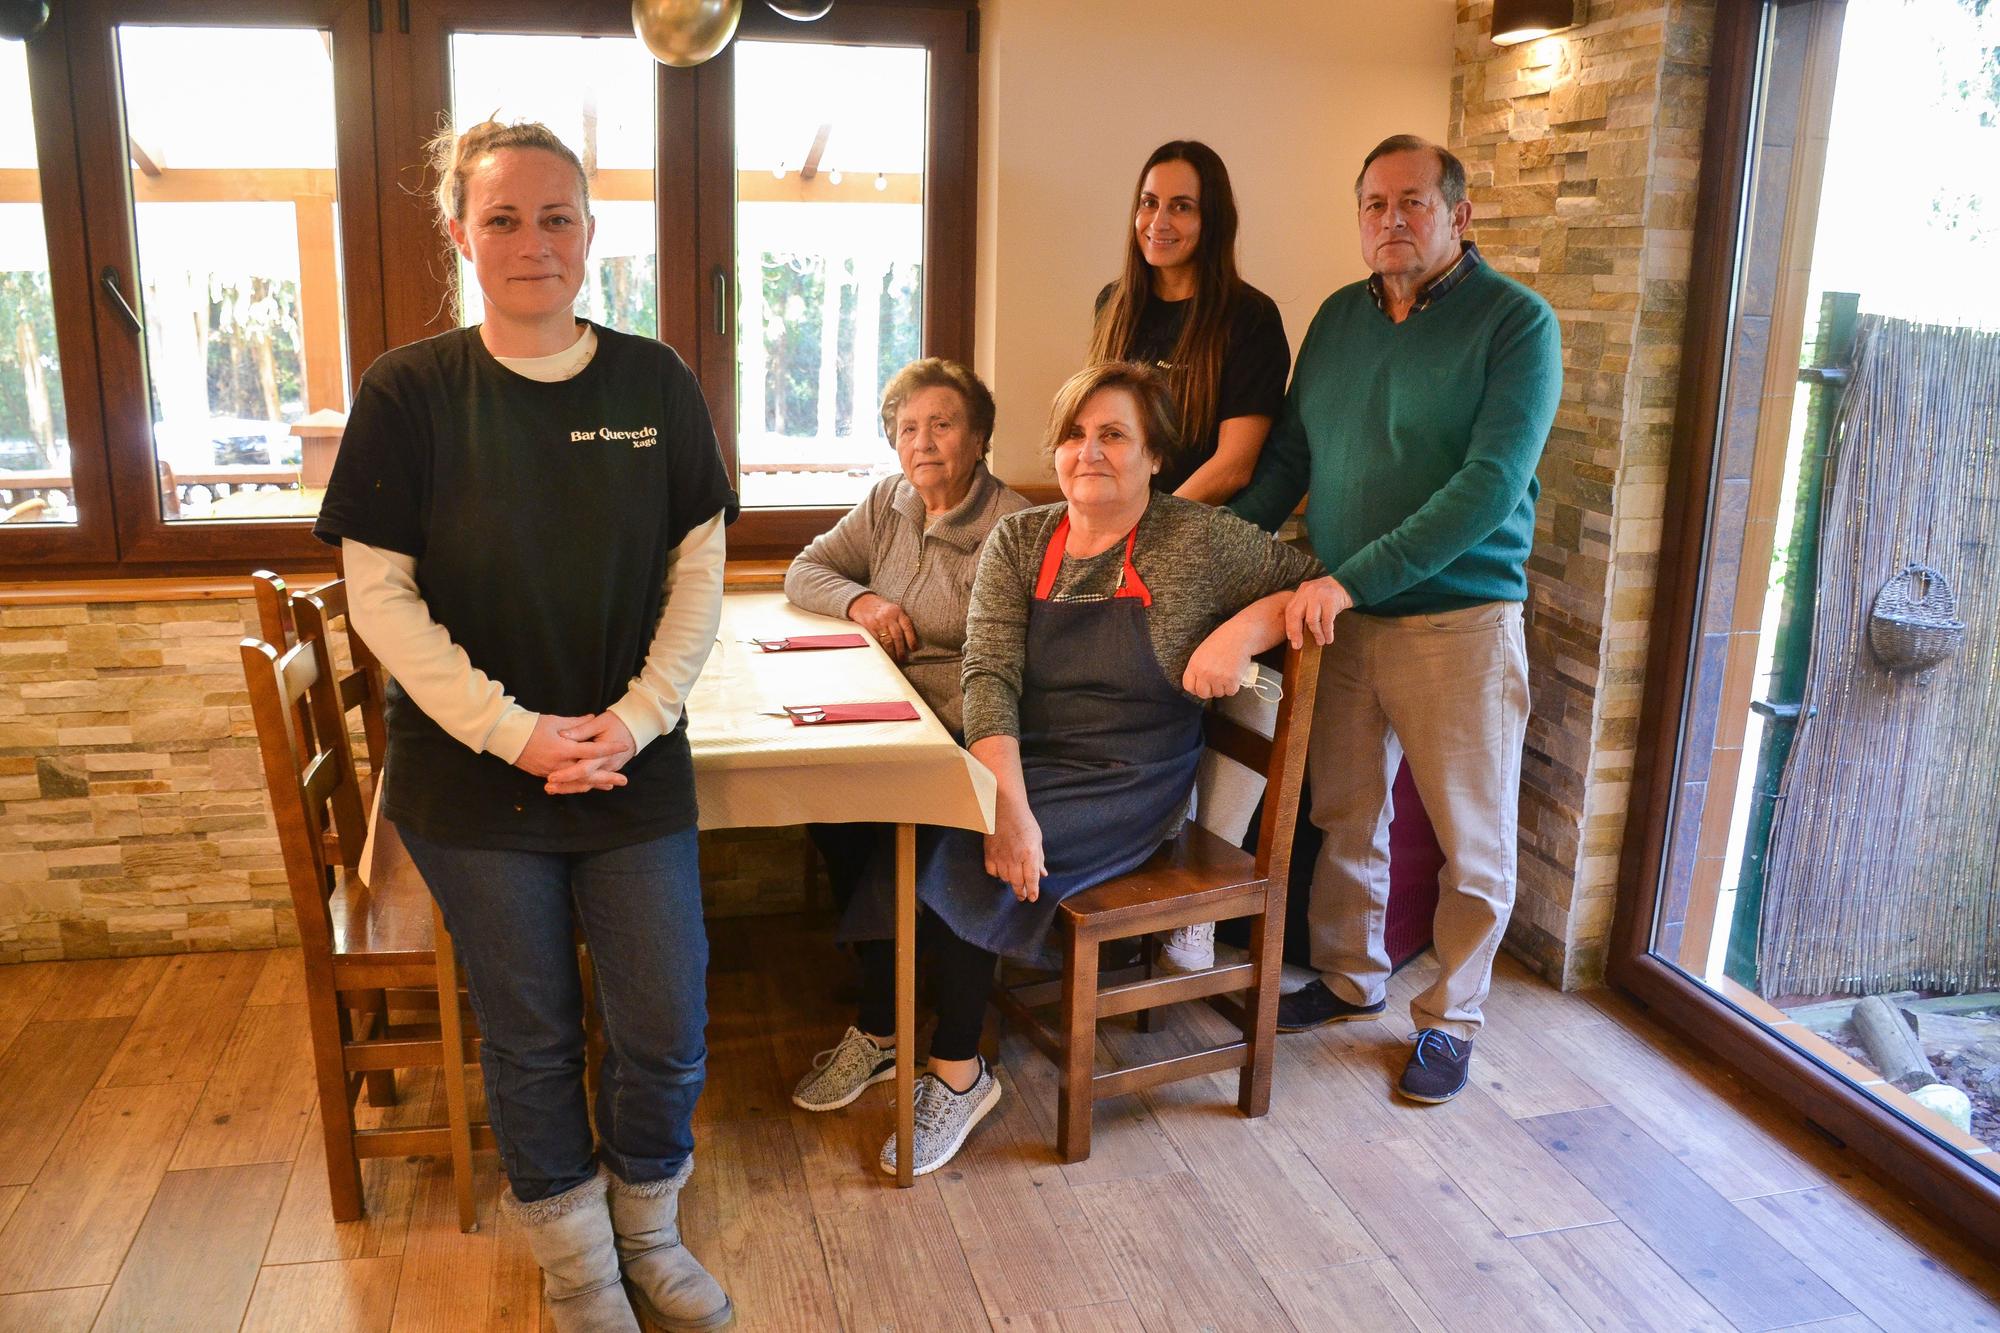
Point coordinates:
pixel 237 223
pixel 596 93
pixel 829 261
pixel 34 436
pixel 1834 838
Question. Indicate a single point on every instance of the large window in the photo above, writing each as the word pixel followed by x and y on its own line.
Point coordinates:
pixel 1825 898
pixel 235 221
pixel 829 261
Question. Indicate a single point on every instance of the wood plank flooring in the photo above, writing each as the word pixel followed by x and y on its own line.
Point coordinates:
pixel 161 1167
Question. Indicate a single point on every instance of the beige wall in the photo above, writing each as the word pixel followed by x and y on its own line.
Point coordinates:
pixel 1075 93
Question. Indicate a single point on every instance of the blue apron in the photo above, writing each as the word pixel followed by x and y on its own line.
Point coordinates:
pixel 1109 748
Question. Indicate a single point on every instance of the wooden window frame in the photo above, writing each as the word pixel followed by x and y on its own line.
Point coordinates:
pixel 391 77
pixel 1899 1151
pixel 949 35
pixel 132 538
pixel 92 538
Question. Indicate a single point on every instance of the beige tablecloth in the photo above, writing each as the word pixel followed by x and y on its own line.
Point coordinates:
pixel 754 770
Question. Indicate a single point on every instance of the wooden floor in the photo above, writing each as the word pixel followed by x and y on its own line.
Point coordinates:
pixel 160 1168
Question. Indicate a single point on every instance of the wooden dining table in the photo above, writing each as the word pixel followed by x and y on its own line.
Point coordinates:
pixel 754 767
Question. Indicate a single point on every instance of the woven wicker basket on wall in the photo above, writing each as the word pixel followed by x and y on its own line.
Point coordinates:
pixel 1915 626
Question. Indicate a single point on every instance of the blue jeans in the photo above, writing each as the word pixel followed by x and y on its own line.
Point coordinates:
pixel 512 916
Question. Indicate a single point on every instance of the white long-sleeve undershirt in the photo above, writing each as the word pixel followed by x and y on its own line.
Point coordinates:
pixel 391 616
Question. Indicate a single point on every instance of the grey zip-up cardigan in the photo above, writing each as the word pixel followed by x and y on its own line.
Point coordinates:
pixel 884 545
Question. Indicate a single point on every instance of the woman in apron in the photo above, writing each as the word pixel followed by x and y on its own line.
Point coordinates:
pixel 1098 627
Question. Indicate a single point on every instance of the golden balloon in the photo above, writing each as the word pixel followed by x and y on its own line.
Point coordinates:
pixel 684 33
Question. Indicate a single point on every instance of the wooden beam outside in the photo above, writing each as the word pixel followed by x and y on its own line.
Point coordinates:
pixel 141 158
pixel 817 151
pixel 856 187
pixel 321 326
pixel 22 185
pixel 195 185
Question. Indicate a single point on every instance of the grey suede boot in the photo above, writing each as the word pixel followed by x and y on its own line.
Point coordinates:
pixel 669 1286
pixel 570 1234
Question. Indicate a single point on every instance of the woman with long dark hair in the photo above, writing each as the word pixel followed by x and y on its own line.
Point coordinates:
pixel 1181 307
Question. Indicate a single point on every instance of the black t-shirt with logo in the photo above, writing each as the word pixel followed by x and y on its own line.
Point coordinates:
pixel 541 516
pixel 1255 362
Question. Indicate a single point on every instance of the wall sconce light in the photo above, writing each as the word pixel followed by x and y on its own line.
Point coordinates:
pixel 1516 21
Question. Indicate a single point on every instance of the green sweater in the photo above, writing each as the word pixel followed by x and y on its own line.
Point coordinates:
pixel 1417 444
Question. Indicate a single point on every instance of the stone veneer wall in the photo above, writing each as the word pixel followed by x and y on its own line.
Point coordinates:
pixel 133 817
pixel 1582 151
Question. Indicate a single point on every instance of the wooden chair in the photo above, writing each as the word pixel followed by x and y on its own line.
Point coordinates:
pixel 364 688
pixel 1198 877
pixel 357 938
pixel 284 617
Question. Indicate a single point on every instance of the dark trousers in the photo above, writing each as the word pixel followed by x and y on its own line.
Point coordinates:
pixel 961 980
pixel 845 848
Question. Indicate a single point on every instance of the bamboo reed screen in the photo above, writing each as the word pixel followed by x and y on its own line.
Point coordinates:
pixel 1886 846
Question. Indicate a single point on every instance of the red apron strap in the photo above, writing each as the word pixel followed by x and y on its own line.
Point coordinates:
pixel 1129 582
pixel 1052 560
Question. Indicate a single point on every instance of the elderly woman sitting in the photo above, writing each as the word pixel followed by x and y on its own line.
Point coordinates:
pixel 1098 626
pixel 900 563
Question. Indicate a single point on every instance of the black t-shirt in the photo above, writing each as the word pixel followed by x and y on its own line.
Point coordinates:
pixel 541 517
pixel 1254 365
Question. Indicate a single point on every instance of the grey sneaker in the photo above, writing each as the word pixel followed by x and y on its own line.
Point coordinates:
pixel 943 1119
pixel 1188 949
pixel 840 1075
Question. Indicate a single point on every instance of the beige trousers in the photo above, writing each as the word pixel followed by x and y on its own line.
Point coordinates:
pixel 1450 691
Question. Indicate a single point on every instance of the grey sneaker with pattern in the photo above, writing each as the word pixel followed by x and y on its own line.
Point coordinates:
pixel 840 1075
pixel 943 1119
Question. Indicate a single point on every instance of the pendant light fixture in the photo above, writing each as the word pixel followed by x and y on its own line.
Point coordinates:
pixel 1516 21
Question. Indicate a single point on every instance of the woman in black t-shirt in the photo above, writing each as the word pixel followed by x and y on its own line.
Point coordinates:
pixel 1180 306
pixel 530 512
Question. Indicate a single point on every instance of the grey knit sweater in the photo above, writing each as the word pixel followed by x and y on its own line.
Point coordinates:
pixel 1202 566
pixel 884 545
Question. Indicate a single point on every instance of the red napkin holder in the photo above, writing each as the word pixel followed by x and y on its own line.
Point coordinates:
pixel 813 715
pixel 808 642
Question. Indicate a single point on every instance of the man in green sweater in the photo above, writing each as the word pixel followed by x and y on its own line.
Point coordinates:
pixel 1418 409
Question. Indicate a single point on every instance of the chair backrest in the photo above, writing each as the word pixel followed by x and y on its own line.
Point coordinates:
pixel 366 686
pixel 1280 757
pixel 275 623
pixel 312 784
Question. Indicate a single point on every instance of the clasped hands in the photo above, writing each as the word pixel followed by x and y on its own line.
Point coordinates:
pixel 578 754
